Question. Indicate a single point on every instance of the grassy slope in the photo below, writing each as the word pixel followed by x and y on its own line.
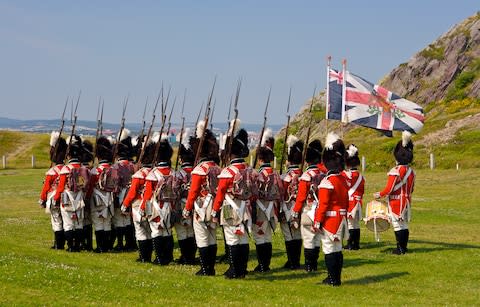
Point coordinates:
pixel 441 268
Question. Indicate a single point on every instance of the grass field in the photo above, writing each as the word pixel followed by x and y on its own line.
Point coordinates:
pixel 442 267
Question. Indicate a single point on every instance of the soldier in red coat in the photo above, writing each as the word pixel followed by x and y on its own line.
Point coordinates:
pixel 306 204
pixel 292 235
pixel 86 159
pixel 398 191
pixel 355 196
pixel 231 207
pixel 133 200
pixel 265 209
pixel 58 148
pixel 200 198
pixel 330 216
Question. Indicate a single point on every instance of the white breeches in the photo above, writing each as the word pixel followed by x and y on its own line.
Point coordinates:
pixel 290 233
pixel 121 220
pixel 328 245
pixel 158 229
pixel 56 219
pixel 100 222
pixel 399 224
pixel 142 230
pixel 204 235
pixel 262 234
pixel 353 223
pixel 72 220
pixel 184 231
pixel 235 235
pixel 310 239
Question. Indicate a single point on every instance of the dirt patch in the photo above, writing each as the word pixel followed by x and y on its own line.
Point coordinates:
pixel 446 134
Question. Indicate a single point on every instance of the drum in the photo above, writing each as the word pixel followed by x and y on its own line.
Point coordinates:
pixel 377 219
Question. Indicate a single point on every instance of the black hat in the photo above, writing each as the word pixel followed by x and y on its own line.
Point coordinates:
pixel 104 149
pixel 58 148
pixel 87 153
pixel 404 150
pixel 148 153
pixel 294 150
pixel 334 153
pixel 76 148
pixel 165 151
pixel 125 147
pixel 240 144
pixel 210 146
pixel 351 156
pixel 314 152
pixel 265 151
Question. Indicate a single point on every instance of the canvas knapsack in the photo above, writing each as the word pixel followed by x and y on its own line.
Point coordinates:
pixel 244 183
pixel 167 188
pixel 77 179
pixel 292 189
pixel 183 183
pixel 314 183
pixel 108 179
pixel 211 181
pixel 124 173
pixel 270 186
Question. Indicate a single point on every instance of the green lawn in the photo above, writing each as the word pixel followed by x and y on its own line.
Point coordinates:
pixel 442 268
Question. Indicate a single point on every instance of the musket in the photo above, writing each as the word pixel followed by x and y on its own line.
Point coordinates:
pixel 229 140
pixel 282 159
pixel 60 132
pixel 181 130
pixel 149 133
pixel 74 122
pixel 164 119
pixel 101 118
pixel 308 130
pixel 122 127
pixel 211 114
pixel 207 113
pixel 140 137
pixel 198 117
pixel 99 125
pixel 170 115
pixel 263 128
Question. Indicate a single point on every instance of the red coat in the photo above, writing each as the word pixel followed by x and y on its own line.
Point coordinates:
pixel 95 176
pixel 333 198
pixel 52 179
pixel 355 193
pixel 198 184
pixel 137 186
pixel 151 182
pixel 225 183
pixel 399 188
pixel 63 178
pixel 322 168
pixel 304 187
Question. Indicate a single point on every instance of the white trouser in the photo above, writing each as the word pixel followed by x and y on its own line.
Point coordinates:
pixel 399 224
pixel 158 229
pixel 353 222
pixel 121 220
pixel 290 233
pixel 204 235
pixel 56 219
pixel 184 231
pixel 235 235
pixel 262 233
pixel 72 220
pixel 310 239
pixel 142 230
pixel 328 245
pixel 101 221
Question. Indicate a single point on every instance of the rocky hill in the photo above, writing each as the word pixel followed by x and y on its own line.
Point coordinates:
pixel 445 79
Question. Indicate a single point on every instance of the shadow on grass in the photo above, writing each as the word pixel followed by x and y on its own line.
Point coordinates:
pixel 275 274
pixel 348 262
pixel 437 246
pixel 370 279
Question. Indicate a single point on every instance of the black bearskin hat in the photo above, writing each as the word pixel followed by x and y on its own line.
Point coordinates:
pixel 148 153
pixel 351 157
pixel 294 150
pixel 210 146
pixel 125 147
pixel 314 152
pixel 87 153
pixel 240 144
pixel 165 151
pixel 104 149
pixel 76 148
pixel 404 150
pixel 58 148
pixel 334 153
pixel 265 151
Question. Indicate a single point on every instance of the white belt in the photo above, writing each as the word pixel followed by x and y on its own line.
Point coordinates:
pixel 394 197
pixel 334 213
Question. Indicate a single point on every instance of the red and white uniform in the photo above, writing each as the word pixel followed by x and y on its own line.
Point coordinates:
pixel 289 232
pixel 355 197
pixel 119 219
pixel 200 199
pixel 267 211
pixel 399 189
pixel 134 199
pixel 50 184
pixel 158 212
pixel 306 204
pixel 235 226
pixel 332 211
pixel 183 227
pixel 322 168
pixel 101 206
pixel 71 202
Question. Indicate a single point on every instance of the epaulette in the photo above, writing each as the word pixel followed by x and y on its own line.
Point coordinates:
pixel 395 171
pixel 326 184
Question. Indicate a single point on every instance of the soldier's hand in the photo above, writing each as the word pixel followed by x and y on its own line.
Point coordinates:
pixel 376 195
pixel 186 213
pixel 317 227
pixel 42 203
pixel 125 210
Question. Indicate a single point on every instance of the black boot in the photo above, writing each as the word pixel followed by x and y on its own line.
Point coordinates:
pixel 245 251
pixel 351 239
pixel 204 261
pixel 78 239
pixel 296 253
pixel 190 251
pixel 99 238
pixel 212 256
pixel 330 264
pixel 336 275
pixel 149 250
pixel 356 241
pixel 227 252
pixel 120 232
pixel 315 255
pixel 399 250
pixel 143 252
pixel 405 237
pixel 88 233
pixel 260 248
pixel 107 241
pixel 237 269
pixel 167 252
pixel 183 251
pixel 59 240
pixel 309 255
pixel 288 250
pixel 158 246
pixel 130 244
pixel 268 255
pixel 70 240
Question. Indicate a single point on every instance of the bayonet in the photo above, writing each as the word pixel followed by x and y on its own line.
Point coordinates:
pixel 282 160
pixel 309 129
pixel 263 128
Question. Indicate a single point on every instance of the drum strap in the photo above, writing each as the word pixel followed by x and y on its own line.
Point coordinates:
pixel 355 186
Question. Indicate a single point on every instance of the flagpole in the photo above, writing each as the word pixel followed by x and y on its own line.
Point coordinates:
pixel 327 100
pixel 344 90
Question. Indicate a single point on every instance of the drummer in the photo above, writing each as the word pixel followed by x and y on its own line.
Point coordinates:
pixel 399 189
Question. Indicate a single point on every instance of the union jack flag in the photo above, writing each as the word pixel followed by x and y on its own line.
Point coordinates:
pixel 334 94
pixel 373 106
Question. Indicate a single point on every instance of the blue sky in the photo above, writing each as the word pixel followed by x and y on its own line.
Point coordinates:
pixel 52 49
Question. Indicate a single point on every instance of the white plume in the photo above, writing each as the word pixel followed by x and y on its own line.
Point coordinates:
pixel 200 128
pixel 155 137
pixel 352 150
pixel 186 138
pixel 332 137
pixel 54 138
pixel 164 137
pixel 135 141
pixel 125 134
pixel 291 139
pixel 111 139
pixel 267 134
pixel 223 141
pixel 235 126
pixel 406 138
